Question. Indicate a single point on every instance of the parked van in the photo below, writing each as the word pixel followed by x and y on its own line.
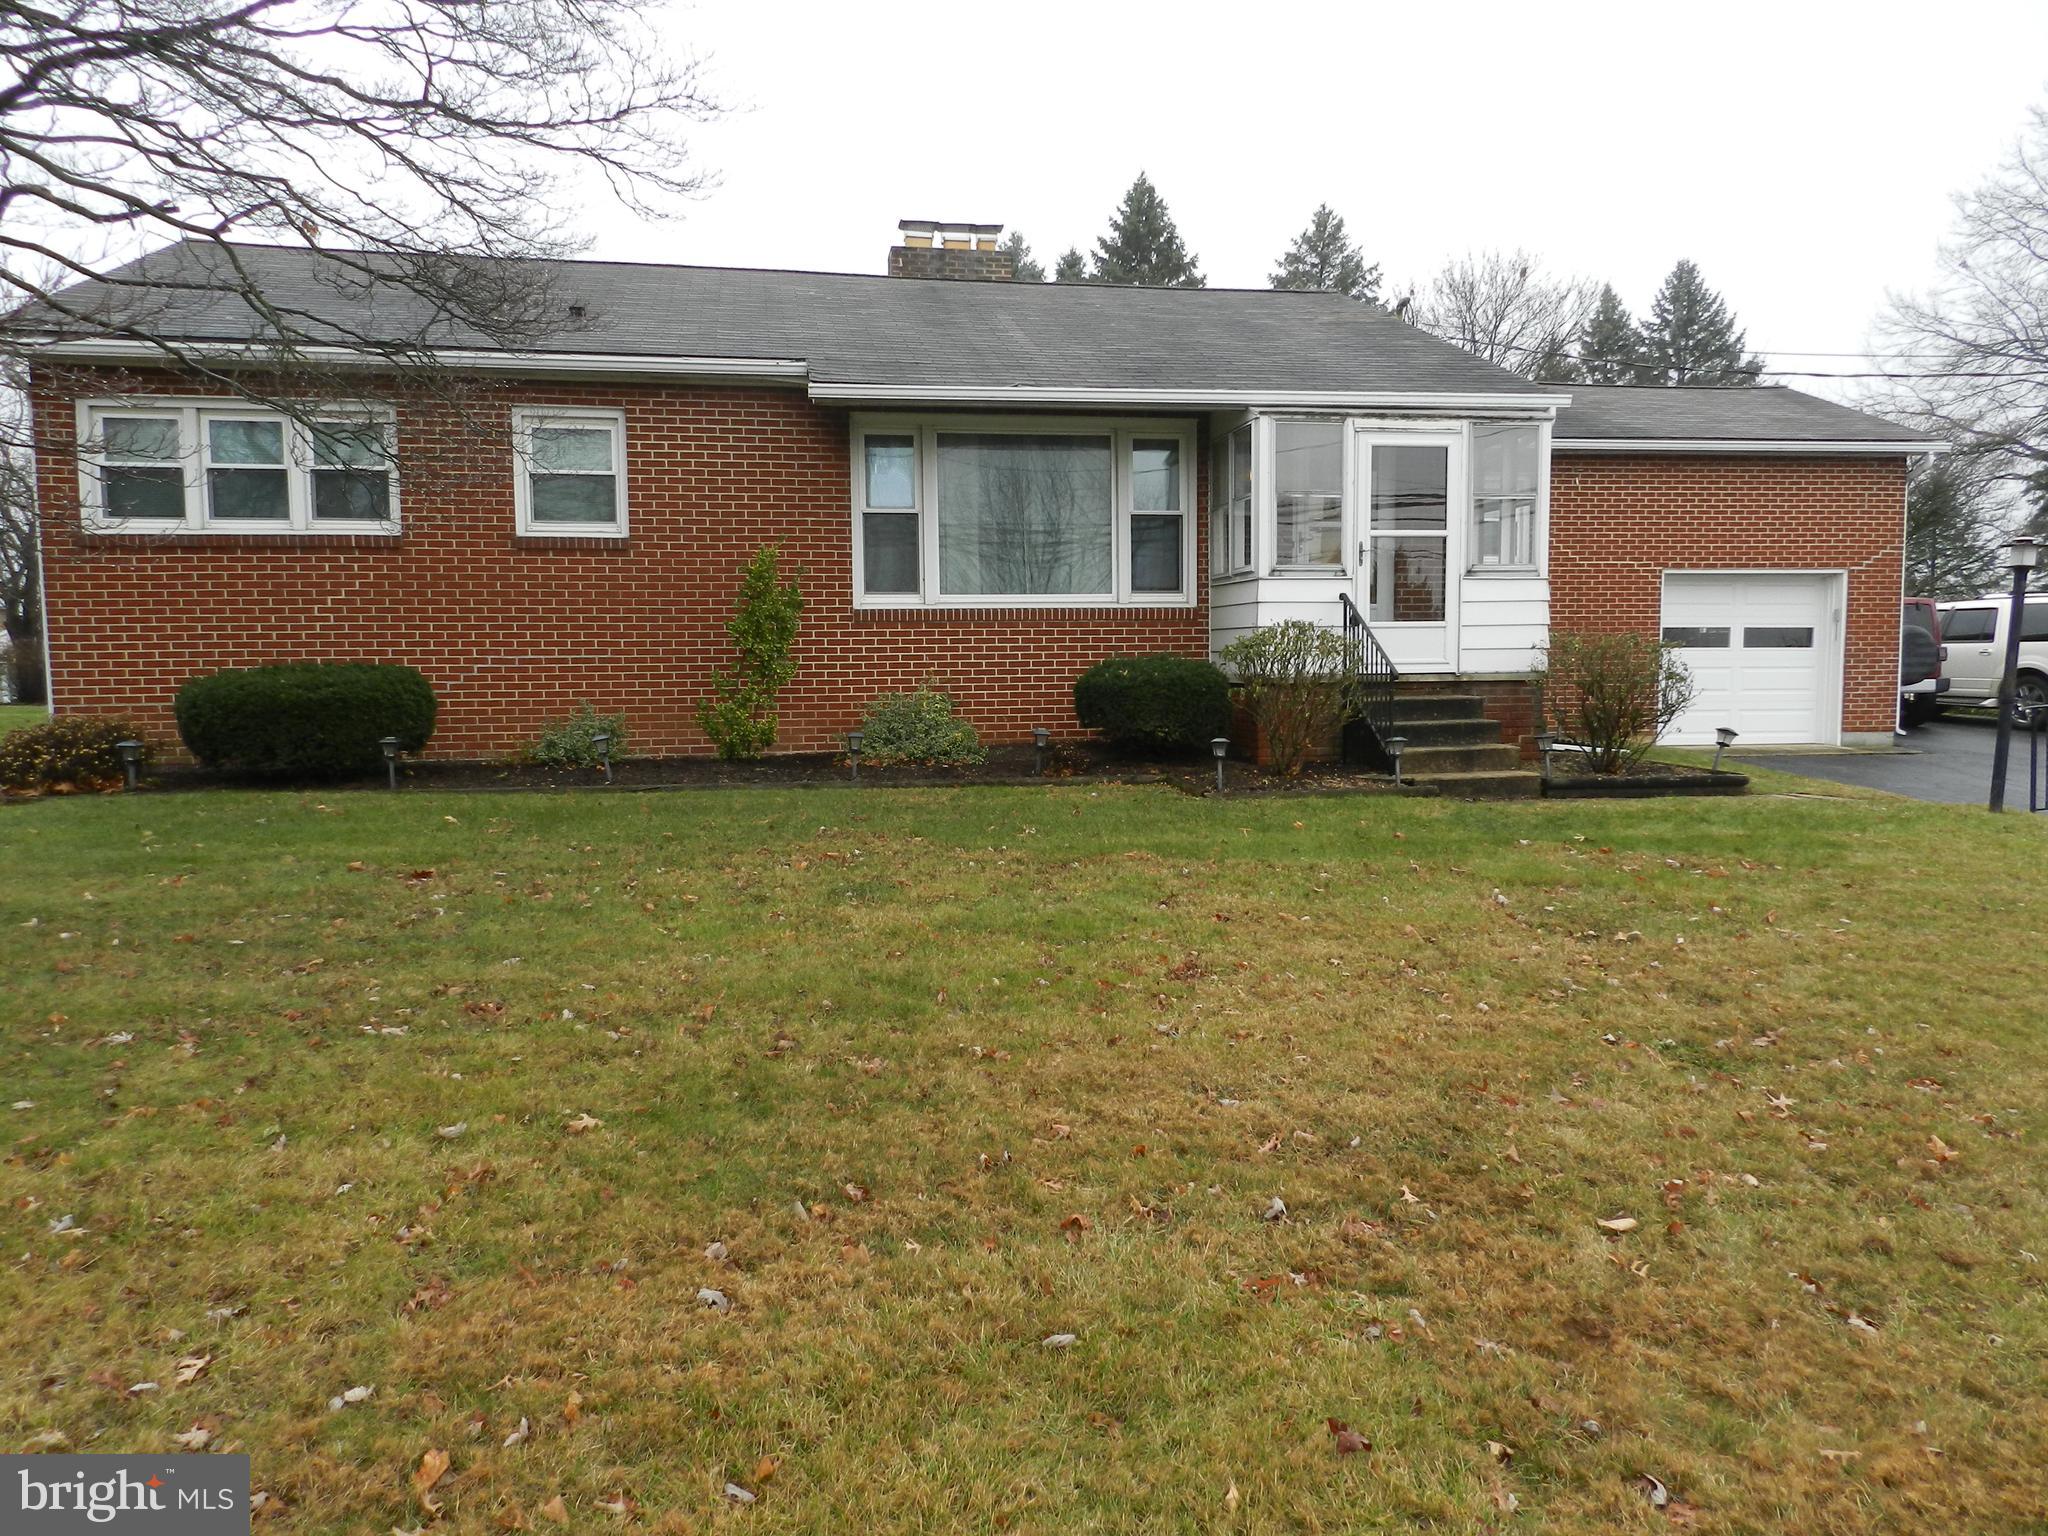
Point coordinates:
pixel 1973 632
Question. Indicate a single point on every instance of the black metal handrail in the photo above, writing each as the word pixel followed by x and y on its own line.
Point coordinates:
pixel 1370 674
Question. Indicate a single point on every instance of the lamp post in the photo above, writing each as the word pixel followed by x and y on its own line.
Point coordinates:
pixel 1545 740
pixel 2021 556
pixel 1396 745
pixel 1040 739
pixel 603 742
pixel 853 753
pixel 1724 738
pixel 390 746
pixel 131 760
pixel 1219 745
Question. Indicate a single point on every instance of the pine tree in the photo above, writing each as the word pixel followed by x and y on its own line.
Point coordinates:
pixel 1322 260
pixel 1071 268
pixel 1022 267
pixel 1690 337
pixel 1142 248
pixel 1609 343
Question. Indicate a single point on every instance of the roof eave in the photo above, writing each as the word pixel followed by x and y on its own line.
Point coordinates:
pixel 1427 402
pixel 1910 446
pixel 584 365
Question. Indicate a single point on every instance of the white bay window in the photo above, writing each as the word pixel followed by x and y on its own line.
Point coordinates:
pixel 200 466
pixel 969 511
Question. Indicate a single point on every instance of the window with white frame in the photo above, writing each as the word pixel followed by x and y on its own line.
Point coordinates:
pixel 200 466
pixel 1035 512
pixel 1233 525
pixel 1308 494
pixel 571 472
pixel 1506 476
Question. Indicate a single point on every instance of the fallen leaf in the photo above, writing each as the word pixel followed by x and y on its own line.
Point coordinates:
pixel 1619 1224
pixel 582 1123
pixel 1276 1210
pixel 619 1504
pixel 193 1439
pixel 1499 1452
pixel 717 1300
pixel 1942 1151
pixel 450 1132
pixel 1347 1440
pixel 1230 1500
pixel 738 1494
pixel 572 1407
pixel 1059 1341
pixel 191 1368
pixel 1654 1491
pixel 556 1510
pixel 519 1435
pixel 766 1468
pixel 715 1252
pixel 432 1468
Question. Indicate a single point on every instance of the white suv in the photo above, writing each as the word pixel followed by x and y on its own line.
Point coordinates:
pixel 1973 632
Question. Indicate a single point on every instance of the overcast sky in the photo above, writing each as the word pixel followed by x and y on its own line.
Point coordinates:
pixel 1803 154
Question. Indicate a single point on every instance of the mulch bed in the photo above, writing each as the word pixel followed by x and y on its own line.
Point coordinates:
pixel 1065 762
pixel 1642 780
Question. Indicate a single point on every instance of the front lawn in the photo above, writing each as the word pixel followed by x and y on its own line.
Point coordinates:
pixel 1288 1111
pixel 16 717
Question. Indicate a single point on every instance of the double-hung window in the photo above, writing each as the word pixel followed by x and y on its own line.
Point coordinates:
pixel 212 466
pixel 971 512
pixel 1506 474
pixel 570 474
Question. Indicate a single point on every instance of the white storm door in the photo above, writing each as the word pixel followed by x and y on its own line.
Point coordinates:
pixel 1411 544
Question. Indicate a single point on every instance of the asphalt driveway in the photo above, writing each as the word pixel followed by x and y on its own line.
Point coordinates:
pixel 1948 761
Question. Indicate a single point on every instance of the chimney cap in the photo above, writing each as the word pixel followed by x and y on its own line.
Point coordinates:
pixel 928 226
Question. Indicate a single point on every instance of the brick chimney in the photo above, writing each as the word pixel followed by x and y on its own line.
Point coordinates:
pixel 967 253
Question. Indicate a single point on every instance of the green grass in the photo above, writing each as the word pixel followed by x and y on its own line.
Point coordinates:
pixel 16 717
pixel 1068 1044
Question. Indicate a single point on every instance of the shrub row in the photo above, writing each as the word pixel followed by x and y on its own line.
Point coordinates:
pixel 72 752
pixel 305 719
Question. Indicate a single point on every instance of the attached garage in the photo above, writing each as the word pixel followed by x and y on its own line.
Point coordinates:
pixel 1764 649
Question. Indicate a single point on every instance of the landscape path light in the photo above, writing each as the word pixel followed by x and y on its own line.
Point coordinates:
pixel 1545 742
pixel 2021 556
pixel 853 753
pixel 390 746
pixel 603 742
pixel 1219 746
pixel 1040 739
pixel 1724 738
pixel 1396 745
pixel 131 760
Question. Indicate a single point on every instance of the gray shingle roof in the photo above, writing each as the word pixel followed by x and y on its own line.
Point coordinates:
pixel 1764 413
pixel 893 331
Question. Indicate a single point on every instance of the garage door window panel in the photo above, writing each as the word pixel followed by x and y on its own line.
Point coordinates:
pixel 1777 637
pixel 1695 638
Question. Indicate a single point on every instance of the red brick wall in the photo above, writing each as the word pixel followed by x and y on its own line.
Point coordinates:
pixel 514 632
pixel 1619 521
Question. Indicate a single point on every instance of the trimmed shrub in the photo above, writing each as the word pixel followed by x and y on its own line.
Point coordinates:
pixel 1154 702
pixel 740 716
pixel 1612 696
pixel 1295 685
pixel 307 719
pixel 569 743
pixel 918 727
pixel 73 751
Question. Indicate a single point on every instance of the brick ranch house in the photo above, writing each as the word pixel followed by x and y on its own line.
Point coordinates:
pixel 985 484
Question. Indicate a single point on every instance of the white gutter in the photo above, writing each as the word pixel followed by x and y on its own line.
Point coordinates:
pixel 1736 445
pixel 475 360
pixel 1217 399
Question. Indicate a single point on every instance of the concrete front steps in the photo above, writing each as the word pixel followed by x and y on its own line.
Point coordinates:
pixel 1454 749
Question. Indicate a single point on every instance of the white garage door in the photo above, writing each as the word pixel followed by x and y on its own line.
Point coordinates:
pixel 1761 646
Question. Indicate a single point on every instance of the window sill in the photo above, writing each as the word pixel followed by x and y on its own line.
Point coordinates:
pixel 223 538
pixel 864 610
pixel 612 542
pixel 1504 573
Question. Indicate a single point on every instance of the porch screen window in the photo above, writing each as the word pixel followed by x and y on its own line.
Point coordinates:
pixel 1025 515
pixel 140 476
pixel 1410 526
pixel 1505 473
pixel 1308 474
pixel 1230 540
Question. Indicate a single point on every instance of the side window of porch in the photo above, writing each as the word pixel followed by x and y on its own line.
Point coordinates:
pixel 1506 473
pixel 1230 534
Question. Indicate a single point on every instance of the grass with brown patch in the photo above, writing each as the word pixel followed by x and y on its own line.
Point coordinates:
pixel 1034 1062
